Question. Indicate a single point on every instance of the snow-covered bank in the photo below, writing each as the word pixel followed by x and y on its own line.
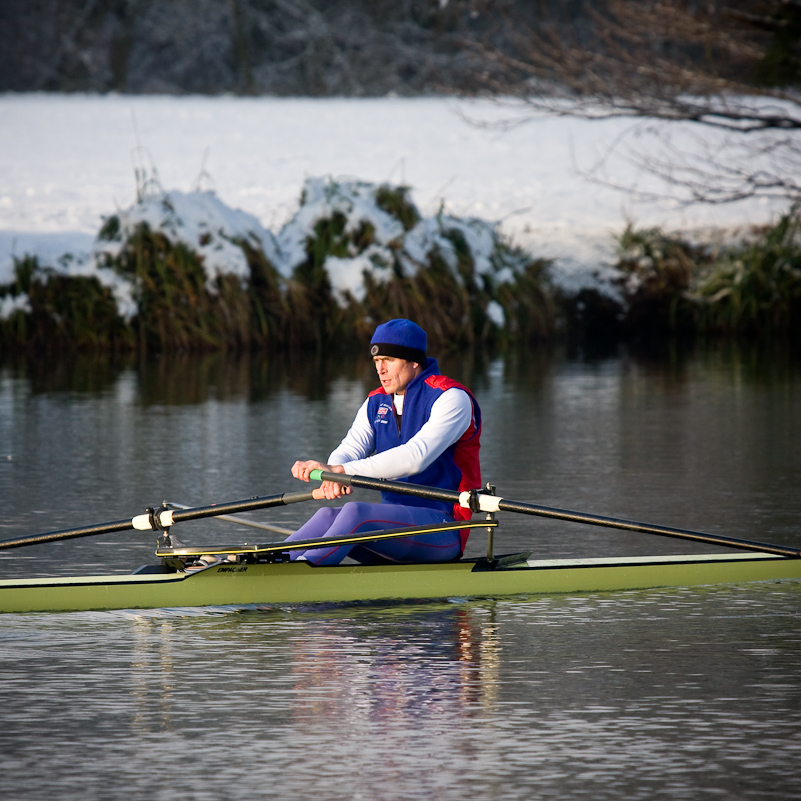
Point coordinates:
pixel 66 161
pixel 360 229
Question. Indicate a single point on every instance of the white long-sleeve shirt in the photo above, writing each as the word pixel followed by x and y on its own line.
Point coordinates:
pixel 451 415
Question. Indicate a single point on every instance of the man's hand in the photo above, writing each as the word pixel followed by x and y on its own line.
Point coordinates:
pixel 328 490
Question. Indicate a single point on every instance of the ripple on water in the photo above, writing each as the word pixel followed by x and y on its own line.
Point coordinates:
pixel 664 693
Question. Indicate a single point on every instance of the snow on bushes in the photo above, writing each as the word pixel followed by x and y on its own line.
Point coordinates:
pixel 198 220
pixel 351 253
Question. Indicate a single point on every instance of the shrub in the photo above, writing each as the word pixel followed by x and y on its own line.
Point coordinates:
pixel 61 311
pixel 755 286
pixel 657 272
pixel 175 309
pixel 360 254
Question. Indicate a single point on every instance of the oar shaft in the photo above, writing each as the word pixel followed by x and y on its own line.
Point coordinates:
pixel 240 506
pixel 493 503
pixel 165 517
pixel 52 536
pixel 645 528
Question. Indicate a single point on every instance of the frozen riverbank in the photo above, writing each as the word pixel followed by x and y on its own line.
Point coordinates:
pixel 67 161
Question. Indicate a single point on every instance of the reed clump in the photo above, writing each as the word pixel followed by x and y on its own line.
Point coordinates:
pixel 57 311
pixel 178 309
pixel 755 287
pixel 459 301
pixel 664 285
pixel 748 287
pixel 369 255
pixel 656 275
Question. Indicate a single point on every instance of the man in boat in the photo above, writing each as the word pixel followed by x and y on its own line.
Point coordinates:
pixel 419 426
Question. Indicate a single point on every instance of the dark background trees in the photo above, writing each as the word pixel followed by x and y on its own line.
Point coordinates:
pixel 371 47
pixel 280 47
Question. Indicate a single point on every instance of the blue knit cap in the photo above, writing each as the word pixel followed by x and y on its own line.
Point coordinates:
pixel 401 339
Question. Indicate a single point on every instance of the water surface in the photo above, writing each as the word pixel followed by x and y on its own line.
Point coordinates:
pixel 676 693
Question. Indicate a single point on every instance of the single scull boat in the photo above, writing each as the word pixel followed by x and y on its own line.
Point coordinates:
pixel 244 575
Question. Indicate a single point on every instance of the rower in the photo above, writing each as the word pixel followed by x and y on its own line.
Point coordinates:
pixel 418 426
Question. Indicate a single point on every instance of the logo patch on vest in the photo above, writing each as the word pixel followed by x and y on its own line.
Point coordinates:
pixel 383 414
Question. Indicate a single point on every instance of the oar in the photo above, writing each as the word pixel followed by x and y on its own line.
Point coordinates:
pixel 484 502
pixel 160 518
pixel 240 521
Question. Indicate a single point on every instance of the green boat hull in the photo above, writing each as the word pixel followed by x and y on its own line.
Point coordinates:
pixel 227 584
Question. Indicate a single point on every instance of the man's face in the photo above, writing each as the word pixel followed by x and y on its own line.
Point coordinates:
pixel 395 374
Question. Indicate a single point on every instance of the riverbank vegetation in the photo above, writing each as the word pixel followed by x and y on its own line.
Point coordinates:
pixel 181 272
pixel 673 285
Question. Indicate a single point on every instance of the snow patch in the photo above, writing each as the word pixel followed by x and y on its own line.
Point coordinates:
pixel 202 222
pixel 11 304
pixel 347 275
pixel 322 199
pixel 496 314
pixel 572 277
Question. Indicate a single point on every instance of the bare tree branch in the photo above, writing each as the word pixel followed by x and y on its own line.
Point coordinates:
pixel 679 62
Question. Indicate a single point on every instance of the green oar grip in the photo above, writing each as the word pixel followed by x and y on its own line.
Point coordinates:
pixel 340 478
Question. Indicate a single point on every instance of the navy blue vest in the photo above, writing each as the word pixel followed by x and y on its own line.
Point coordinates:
pixel 455 469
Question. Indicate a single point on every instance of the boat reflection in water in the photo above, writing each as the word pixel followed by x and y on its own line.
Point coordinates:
pixel 408 665
pixel 444 662
pixel 613 692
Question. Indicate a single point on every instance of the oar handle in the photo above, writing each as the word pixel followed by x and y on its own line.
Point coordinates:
pixel 484 502
pixel 386 485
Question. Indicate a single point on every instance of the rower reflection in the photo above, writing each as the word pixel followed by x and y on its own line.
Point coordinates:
pixel 351 669
pixel 442 662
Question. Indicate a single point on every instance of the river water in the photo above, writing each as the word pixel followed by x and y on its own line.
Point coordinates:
pixel 676 693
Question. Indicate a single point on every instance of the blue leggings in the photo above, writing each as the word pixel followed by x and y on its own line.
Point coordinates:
pixel 439 546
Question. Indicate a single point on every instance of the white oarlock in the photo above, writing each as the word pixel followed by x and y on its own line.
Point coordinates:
pixel 486 503
pixel 142 522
